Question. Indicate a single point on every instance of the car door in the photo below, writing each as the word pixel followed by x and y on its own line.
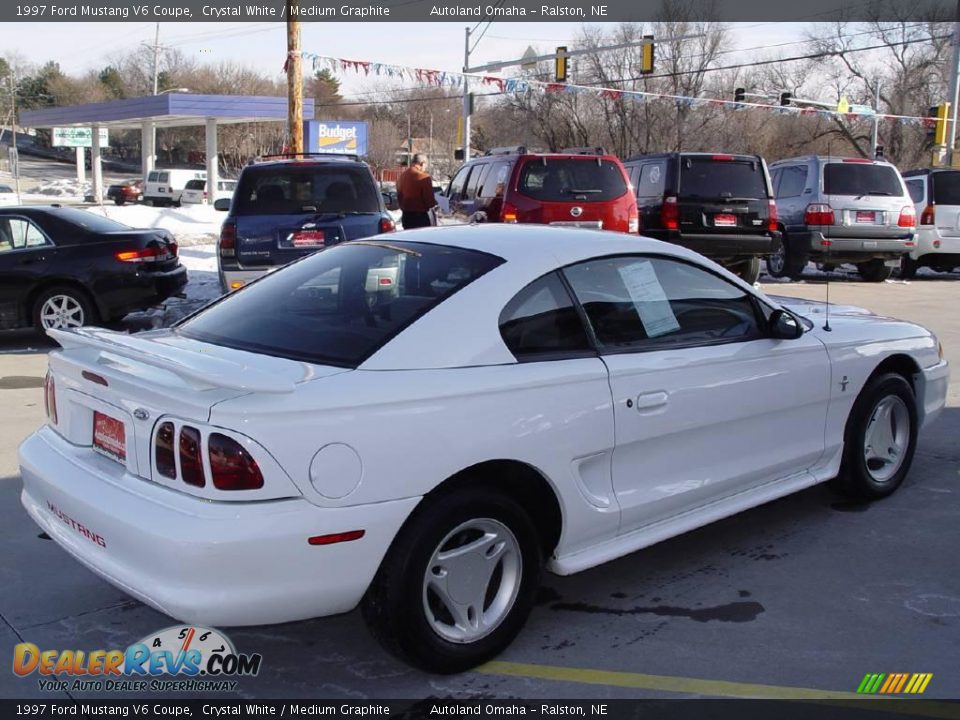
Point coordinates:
pixel 455 194
pixel 24 248
pixel 707 405
pixel 792 195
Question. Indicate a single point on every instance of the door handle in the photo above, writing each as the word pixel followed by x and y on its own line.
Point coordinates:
pixel 650 401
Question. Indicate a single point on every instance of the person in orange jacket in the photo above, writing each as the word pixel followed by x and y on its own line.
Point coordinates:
pixel 415 194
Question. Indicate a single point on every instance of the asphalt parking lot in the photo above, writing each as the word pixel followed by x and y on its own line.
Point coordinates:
pixel 798 598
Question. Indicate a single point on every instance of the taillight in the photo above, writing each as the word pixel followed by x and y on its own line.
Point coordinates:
pixel 387 224
pixel 670 213
pixel 509 213
pixel 633 223
pixel 231 466
pixel 228 240
pixel 163 451
pixel 818 214
pixel 928 216
pixel 772 216
pixel 191 460
pixel 147 254
pixel 50 397
pixel 721 157
pixel 908 217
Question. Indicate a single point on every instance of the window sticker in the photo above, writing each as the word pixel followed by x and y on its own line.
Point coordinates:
pixel 648 298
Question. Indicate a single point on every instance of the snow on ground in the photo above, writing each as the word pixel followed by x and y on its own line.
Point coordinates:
pixel 62 188
pixel 190 224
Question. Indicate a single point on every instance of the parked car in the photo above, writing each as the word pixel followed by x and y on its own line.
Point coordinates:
pixel 165 187
pixel 63 267
pixel 841 210
pixel 195 191
pixel 8 196
pixel 719 205
pixel 936 197
pixel 530 398
pixel 128 191
pixel 286 208
pixel 577 187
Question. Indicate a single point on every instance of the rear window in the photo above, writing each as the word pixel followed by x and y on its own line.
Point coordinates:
pixel 709 178
pixel 195 184
pixel 861 179
pixel 315 189
pixel 946 188
pixel 89 221
pixel 227 185
pixel 568 180
pixel 338 306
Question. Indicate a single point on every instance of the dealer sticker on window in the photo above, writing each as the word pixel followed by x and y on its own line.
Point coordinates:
pixel 648 298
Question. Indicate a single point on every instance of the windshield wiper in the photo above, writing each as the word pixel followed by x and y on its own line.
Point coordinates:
pixel 574 191
pixel 881 193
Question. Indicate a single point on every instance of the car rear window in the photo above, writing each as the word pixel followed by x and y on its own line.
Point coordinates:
pixel 89 221
pixel 310 188
pixel 195 185
pixel 340 305
pixel 571 179
pixel 709 178
pixel 946 188
pixel 860 179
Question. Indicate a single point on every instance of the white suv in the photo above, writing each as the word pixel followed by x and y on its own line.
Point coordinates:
pixel 936 195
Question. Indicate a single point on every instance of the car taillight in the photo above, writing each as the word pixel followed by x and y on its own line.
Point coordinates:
pixel 818 214
pixel 670 213
pixel 908 217
pixel 721 157
pixel 509 213
pixel 231 466
pixel 387 224
pixel 928 216
pixel 772 216
pixel 633 223
pixel 228 240
pixel 163 451
pixel 50 397
pixel 191 461
pixel 147 254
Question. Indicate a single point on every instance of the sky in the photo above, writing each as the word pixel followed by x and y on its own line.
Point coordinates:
pixel 79 47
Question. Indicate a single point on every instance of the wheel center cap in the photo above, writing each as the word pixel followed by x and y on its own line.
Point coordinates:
pixel 465 583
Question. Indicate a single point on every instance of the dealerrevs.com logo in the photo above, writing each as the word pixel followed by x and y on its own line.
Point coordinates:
pixel 178 658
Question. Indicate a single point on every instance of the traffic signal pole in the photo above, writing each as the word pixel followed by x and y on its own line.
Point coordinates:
pixel 954 86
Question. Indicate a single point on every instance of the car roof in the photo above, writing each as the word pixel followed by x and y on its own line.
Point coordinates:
pixel 658 156
pixel 832 158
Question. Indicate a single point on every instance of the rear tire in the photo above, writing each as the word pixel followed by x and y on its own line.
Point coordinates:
pixel 880 439
pixel 748 271
pixel 874 270
pixel 788 261
pixel 908 267
pixel 445 610
pixel 62 307
pixel 118 200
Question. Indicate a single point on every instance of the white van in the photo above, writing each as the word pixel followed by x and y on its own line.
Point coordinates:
pixel 164 187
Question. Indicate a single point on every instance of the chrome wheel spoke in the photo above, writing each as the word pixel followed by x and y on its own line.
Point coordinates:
pixel 886 438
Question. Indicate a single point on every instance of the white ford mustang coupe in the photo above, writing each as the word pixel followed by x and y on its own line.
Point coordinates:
pixel 422 423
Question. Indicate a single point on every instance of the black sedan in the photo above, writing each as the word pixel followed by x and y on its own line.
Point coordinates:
pixel 62 267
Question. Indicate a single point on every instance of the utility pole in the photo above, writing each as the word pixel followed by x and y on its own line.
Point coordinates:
pixel 156 60
pixel 409 142
pixel 875 137
pixel 294 78
pixel 954 86
pixel 466 94
pixel 16 152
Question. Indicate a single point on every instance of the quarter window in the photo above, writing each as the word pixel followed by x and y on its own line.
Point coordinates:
pixel 915 188
pixel 542 320
pixel 793 180
pixel 652 181
pixel 650 303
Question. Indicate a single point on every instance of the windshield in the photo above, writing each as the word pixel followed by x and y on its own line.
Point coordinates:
pixel 946 188
pixel 860 179
pixel 340 305
pixel 307 189
pixel 569 180
pixel 709 178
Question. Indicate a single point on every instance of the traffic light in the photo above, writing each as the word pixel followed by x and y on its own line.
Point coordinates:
pixel 739 95
pixel 560 65
pixel 879 153
pixel 785 98
pixel 646 55
pixel 939 131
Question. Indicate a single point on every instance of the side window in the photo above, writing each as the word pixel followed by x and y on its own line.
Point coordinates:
pixel 650 303
pixel 792 181
pixel 476 178
pixel 495 182
pixel 163 177
pixel 775 181
pixel 652 180
pixel 541 320
pixel 634 175
pixel 459 180
pixel 20 234
pixel 915 188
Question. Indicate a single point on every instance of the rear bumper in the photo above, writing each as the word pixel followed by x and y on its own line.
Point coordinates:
pixel 854 249
pixel 932 245
pixel 138 290
pixel 721 246
pixel 216 563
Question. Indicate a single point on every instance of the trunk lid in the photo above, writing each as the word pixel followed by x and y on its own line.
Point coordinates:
pixel 866 198
pixel 276 240
pixel 722 194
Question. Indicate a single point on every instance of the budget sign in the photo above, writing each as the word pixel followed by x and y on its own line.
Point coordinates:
pixel 348 138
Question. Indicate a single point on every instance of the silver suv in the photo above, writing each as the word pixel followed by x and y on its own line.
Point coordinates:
pixel 841 210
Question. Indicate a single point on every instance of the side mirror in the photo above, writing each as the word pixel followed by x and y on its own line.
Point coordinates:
pixel 221 204
pixel 784 326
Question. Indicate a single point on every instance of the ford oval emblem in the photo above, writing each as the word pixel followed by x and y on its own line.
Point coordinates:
pixel 576 211
pixel 141 414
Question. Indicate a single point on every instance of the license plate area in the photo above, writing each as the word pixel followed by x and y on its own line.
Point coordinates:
pixel 591 224
pixel 724 220
pixel 109 436
pixel 866 216
pixel 308 238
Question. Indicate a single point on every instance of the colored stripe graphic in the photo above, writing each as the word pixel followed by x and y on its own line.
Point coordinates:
pixel 894 683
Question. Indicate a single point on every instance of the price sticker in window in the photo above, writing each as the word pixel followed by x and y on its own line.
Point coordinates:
pixel 640 280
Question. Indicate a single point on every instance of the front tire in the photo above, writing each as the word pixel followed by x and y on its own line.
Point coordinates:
pixel 748 270
pixel 880 439
pixel 118 201
pixel 458 582
pixel 874 270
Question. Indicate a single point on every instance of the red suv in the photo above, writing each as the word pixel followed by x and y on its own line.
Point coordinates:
pixel 580 187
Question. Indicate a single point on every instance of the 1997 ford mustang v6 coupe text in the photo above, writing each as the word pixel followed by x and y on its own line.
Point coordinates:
pixel 421 423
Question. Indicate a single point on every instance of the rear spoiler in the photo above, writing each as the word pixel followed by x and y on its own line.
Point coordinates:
pixel 213 372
